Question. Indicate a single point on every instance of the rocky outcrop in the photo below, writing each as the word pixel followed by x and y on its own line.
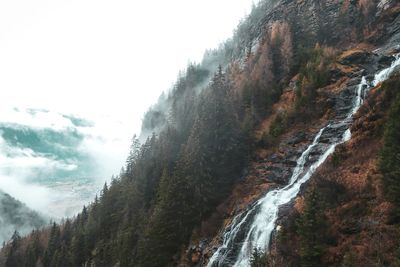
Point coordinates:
pixel 276 167
pixel 360 228
pixel 332 22
pixel 340 24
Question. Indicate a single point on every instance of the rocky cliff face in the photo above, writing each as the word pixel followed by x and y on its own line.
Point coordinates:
pixel 360 227
pixel 332 22
pixel 273 167
pixel 337 23
pixel 367 34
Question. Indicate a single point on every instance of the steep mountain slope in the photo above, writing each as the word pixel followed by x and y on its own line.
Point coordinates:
pixel 15 216
pixel 251 227
pixel 359 223
pixel 231 130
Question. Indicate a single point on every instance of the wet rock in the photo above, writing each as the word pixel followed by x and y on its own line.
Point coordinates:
pixel 291 162
pixel 335 130
pixel 354 81
pixel 355 75
pixel 370 77
pixel 317 151
pixel 279 173
pixel 300 149
pixel 336 74
pixel 297 138
pixel 344 102
pixel 357 57
pixel 385 61
pixel 330 102
pixel 277 177
pixel 329 140
pixel 273 168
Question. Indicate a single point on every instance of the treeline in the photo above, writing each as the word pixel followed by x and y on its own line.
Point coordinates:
pixel 389 164
pixel 203 137
pixel 170 184
pixel 16 215
pixel 307 237
pixel 313 228
pixel 180 174
pixel 177 177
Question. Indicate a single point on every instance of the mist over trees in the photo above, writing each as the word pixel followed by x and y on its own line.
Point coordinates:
pixel 195 144
pixel 15 215
pixel 199 140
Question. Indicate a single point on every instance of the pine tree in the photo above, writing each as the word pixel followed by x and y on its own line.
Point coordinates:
pixel 170 224
pixel 61 257
pixel 134 154
pixel 13 259
pixel 390 155
pixel 66 235
pixel 78 249
pixel 33 251
pixel 53 245
pixel 311 229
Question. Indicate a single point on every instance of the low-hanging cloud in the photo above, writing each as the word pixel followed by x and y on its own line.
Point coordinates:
pixel 57 165
pixel 14 215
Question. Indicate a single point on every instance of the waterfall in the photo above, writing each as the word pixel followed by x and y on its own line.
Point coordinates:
pixel 384 74
pixel 359 99
pixel 253 228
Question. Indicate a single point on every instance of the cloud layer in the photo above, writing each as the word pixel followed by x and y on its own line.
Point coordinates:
pixel 56 163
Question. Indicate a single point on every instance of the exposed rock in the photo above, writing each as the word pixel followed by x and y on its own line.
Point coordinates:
pixel 385 61
pixel 357 57
pixel 328 22
pixel 279 177
pixel 297 138
pixel 354 81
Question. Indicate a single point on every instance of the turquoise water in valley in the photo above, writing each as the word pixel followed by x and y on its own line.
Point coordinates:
pixel 55 163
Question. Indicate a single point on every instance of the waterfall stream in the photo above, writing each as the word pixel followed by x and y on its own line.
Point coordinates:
pixel 253 227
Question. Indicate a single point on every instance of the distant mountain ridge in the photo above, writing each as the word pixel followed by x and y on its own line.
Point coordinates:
pixel 16 216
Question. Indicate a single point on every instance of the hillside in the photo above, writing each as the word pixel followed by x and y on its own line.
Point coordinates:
pixel 283 140
pixel 14 215
pixel 359 216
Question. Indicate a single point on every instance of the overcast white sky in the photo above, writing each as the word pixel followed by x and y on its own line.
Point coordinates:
pixel 104 57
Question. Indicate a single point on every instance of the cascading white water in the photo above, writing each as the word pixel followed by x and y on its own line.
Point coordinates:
pixel 359 97
pixel 384 74
pixel 263 223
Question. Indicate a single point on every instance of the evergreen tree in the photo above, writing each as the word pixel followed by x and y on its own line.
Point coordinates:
pixel 53 245
pixel 61 257
pixel 311 229
pixel 170 224
pixel 33 251
pixel 134 154
pixel 78 249
pixel 390 155
pixel 13 258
